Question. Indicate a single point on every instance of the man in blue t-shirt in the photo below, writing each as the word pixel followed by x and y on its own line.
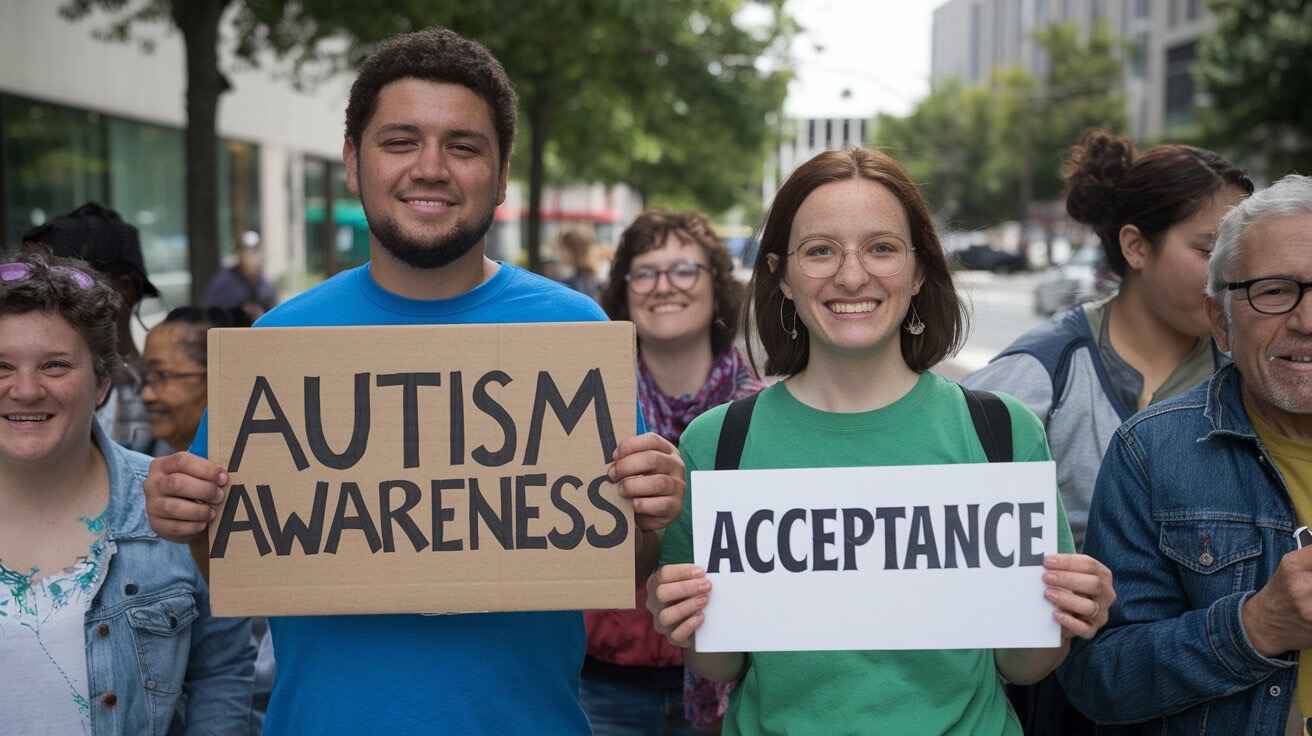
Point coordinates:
pixel 429 127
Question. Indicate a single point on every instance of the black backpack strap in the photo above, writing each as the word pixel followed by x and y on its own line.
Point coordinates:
pixel 992 423
pixel 733 433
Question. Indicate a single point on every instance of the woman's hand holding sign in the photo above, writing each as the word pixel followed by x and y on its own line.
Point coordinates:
pixel 1080 588
pixel 677 596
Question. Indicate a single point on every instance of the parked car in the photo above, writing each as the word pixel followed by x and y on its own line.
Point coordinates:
pixel 985 257
pixel 1080 279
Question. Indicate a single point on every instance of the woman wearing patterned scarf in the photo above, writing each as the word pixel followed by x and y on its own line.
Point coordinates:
pixel 674 278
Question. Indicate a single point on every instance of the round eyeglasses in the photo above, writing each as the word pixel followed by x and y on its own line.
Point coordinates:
pixel 682 275
pixel 1272 295
pixel 821 258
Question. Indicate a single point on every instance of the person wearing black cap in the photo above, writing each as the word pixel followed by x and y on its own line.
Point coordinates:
pixel 98 236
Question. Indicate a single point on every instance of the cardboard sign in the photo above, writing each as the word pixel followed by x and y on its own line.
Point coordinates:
pixel 421 469
pixel 913 557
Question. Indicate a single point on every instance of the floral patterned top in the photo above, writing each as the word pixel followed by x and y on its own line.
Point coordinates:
pixel 42 636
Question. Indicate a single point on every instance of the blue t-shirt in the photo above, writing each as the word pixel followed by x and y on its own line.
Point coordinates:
pixel 488 673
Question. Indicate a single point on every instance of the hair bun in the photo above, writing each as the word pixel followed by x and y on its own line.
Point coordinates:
pixel 1093 171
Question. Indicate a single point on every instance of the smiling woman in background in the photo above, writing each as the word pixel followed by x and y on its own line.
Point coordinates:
pixel 104 627
pixel 174 385
pixel 674 278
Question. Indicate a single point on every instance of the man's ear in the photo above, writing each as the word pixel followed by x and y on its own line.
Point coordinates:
pixel 1220 323
pixel 1135 247
pixel 504 179
pixel 350 160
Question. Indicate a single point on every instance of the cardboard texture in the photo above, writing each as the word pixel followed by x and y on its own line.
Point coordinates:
pixel 911 557
pixel 431 469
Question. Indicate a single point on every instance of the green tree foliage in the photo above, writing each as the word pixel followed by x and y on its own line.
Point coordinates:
pixel 948 144
pixel 670 97
pixel 984 153
pixel 198 23
pixel 664 96
pixel 1254 69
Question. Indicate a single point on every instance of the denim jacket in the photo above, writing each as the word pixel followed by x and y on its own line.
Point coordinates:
pixel 1192 518
pixel 153 650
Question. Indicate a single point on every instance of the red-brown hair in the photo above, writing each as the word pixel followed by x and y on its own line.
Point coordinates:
pixel 944 315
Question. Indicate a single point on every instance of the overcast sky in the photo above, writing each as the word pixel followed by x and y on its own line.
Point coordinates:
pixel 877 49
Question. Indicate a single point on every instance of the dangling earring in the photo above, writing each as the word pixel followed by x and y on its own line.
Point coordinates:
pixel 793 332
pixel 914 325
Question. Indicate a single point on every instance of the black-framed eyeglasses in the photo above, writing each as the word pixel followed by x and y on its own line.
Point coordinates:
pixel 159 378
pixel 682 275
pixel 1272 294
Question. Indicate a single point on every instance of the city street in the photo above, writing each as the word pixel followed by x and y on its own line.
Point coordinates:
pixel 1002 308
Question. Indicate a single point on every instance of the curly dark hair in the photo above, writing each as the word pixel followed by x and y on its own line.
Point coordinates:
pixel 51 286
pixel 946 319
pixel 649 232
pixel 1110 186
pixel 199 320
pixel 435 55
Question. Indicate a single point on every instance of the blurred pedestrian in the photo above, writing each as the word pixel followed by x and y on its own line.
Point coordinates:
pixel 673 277
pixel 243 285
pixel 1196 506
pixel 853 302
pixel 1091 367
pixel 104 627
pixel 578 247
pixel 98 236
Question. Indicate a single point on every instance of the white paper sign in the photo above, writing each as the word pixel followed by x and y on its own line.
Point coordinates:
pixel 800 559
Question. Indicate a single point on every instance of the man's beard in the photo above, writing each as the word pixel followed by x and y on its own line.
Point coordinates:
pixel 436 253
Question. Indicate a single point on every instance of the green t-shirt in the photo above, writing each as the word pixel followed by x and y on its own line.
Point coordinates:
pixel 950 691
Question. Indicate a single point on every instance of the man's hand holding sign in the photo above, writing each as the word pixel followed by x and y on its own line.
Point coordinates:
pixel 490 485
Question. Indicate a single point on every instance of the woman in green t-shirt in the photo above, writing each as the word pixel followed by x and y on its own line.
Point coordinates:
pixel 853 302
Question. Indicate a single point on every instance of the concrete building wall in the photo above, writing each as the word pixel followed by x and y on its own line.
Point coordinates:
pixel 971 38
pixel 48 59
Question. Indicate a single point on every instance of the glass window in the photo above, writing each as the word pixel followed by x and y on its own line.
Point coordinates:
pixel 1194 10
pixel 1138 56
pixel 336 237
pixel 1141 8
pixel 976 20
pixel 52 159
pixel 148 188
pixel 1180 83
pixel 239 194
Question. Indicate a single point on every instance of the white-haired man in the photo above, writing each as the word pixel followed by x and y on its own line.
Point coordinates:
pixel 1196 507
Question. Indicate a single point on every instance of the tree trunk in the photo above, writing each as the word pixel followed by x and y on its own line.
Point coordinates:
pixel 537 146
pixel 198 20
